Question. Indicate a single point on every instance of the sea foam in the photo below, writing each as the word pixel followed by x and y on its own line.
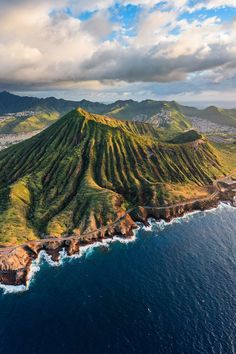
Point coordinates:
pixel 160 225
pixel 89 249
pixel 44 257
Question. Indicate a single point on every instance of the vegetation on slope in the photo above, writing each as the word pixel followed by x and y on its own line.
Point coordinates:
pixel 10 103
pixel 132 110
pixel 213 114
pixel 147 111
pixel 85 170
pixel 186 137
pixel 28 124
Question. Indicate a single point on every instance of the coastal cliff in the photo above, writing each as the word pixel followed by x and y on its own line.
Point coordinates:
pixel 15 262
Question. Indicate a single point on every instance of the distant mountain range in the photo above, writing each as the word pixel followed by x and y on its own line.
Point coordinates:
pixel 161 113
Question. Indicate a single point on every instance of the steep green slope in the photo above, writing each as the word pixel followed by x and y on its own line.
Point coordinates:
pixel 213 114
pixel 46 111
pixel 147 111
pixel 10 103
pixel 28 124
pixel 161 113
pixel 165 114
pixel 85 170
pixel 186 137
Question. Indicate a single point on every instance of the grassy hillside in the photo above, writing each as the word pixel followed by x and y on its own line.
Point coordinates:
pixel 150 111
pixel 47 110
pixel 85 170
pixel 164 114
pixel 213 114
pixel 186 137
pixel 145 111
pixel 38 121
pixel 10 103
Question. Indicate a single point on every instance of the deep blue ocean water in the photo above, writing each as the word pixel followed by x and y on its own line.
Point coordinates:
pixel 172 290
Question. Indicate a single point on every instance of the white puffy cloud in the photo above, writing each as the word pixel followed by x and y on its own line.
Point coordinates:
pixel 44 46
pixel 213 4
pixel 98 26
pixel 155 54
pixel 39 46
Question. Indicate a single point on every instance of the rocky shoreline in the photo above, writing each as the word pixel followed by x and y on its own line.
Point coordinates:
pixel 15 262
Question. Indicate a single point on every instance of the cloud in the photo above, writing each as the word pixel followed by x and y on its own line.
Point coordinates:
pixel 213 4
pixel 157 55
pixel 98 26
pixel 45 45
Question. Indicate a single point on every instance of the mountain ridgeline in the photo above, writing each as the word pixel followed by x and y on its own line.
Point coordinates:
pixel 87 170
pixel 46 111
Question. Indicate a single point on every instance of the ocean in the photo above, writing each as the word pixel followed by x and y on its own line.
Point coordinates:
pixel 172 290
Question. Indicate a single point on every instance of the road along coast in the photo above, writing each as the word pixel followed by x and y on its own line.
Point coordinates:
pixel 15 262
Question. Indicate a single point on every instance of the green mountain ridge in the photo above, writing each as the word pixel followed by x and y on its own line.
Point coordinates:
pixel 213 114
pixel 86 170
pixel 37 121
pixel 48 110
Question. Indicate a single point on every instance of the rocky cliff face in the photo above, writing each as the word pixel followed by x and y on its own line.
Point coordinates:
pixel 15 263
pixel 142 214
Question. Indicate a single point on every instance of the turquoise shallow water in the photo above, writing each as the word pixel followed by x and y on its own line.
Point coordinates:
pixel 172 290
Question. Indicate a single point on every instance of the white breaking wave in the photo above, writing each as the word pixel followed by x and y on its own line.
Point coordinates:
pixel 10 289
pixel 43 256
pixel 88 249
pixel 160 225
pixel 221 206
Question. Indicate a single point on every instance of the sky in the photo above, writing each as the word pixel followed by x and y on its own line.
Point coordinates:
pixel 128 49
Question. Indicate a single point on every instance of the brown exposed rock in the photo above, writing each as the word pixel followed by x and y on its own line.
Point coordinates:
pixel 15 262
pixel 14 266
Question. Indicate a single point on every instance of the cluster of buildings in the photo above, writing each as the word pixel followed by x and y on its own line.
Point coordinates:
pixel 10 139
pixel 22 114
pixel 205 126
pixel 162 118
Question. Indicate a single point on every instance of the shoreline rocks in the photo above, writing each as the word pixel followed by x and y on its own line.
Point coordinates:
pixel 15 263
